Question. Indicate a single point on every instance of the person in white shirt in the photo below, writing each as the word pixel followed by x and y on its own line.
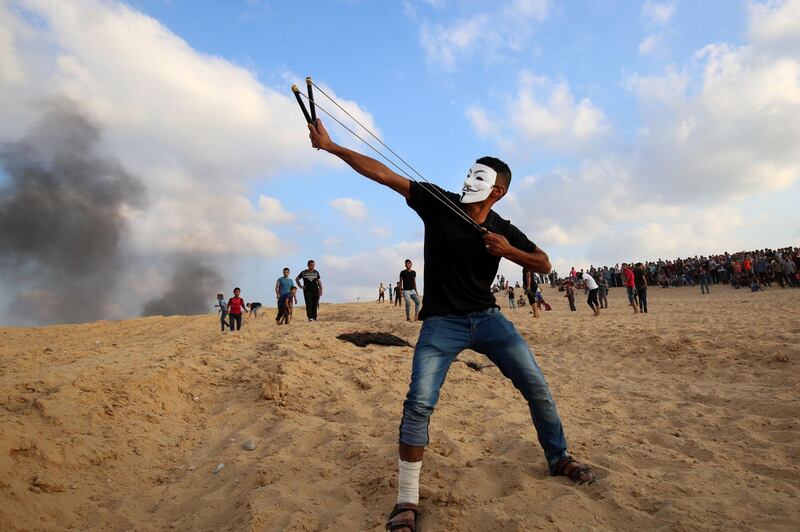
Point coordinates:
pixel 589 282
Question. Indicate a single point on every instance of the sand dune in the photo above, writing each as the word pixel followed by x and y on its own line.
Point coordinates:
pixel 691 415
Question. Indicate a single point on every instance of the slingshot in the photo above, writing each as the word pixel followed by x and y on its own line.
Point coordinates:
pixel 311 118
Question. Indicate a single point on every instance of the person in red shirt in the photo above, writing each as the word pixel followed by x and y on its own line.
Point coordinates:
pixel 630 286
pixel 235 309
pixel 747 267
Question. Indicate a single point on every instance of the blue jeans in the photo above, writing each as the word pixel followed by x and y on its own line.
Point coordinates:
pixel 408 295
pixel 488 332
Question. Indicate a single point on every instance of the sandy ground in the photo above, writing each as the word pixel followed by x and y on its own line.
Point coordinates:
pixel 691 415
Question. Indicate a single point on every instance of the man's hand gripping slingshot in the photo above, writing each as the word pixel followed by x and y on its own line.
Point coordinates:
pixel 463 235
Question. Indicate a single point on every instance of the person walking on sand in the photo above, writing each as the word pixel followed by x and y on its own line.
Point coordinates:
pixel 569 290
pixel 381 293
pixel 460 311
pixel 591 285
pixel 529 288
pixel 512 303
pixel 397 294
pixel 408 281
pixel 702 278
pixel 602 292
pixel 223 311
pixel 235 309
pixel 311 286
pixel 630 287
pixel 640 280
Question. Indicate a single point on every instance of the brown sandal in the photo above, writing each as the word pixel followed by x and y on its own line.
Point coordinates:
pixel 574 470
pixel 403 523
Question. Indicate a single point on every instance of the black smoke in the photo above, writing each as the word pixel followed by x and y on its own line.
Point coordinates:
pixel 62 219
pixel 191 290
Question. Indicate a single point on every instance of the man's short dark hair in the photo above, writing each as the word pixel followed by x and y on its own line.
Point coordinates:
pixel 310 261
pixel 286 268
pixel 408 260
pixel 237 288
pixel 502 169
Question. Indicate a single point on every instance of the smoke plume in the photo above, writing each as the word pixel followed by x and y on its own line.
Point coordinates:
pixel 191 290
pixel 62 219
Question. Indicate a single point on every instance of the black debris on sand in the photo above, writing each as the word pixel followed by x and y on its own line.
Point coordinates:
pixel 361 339
pixel 477 367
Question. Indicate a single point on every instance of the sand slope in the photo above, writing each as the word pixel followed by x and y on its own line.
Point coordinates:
pixel 691 415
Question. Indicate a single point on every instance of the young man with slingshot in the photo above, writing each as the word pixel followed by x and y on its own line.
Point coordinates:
pixel 464 241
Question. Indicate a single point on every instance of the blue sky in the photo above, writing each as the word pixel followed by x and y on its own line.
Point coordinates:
pixel 634 129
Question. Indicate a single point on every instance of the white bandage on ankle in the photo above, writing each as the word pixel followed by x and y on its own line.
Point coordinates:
pixel 408 482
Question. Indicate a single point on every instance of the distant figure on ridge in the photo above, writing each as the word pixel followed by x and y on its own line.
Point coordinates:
pixel 311 286
pixel 408 280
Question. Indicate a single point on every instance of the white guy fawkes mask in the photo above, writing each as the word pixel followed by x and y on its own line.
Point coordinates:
pixel 478 184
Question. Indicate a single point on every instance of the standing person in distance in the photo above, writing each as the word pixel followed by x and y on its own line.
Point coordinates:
pixel 408 283
pixel 223 311
pixel 640 280
pixel 460 311
pixel 284 285
pixel 591 285
pixel 235 309
pixel 630 286
pixel 311 286
pixel 530 287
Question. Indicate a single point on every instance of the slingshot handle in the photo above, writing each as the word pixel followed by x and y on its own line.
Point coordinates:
pixel 296 92
pixel 311 105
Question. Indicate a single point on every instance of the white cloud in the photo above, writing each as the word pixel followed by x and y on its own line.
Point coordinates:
pixel 658 12
pixel 735 135
pixel 333 242
pixel 486 32
pixel 381 231
pixel 651 44
pixel 350 207
pixel 775 24
pixel 358 276
pixel 272 211
pixel 543 115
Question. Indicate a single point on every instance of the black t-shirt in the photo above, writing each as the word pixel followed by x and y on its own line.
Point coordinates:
pixel 638 278
pixel 458 270
pixel 407 277
pixel 310 280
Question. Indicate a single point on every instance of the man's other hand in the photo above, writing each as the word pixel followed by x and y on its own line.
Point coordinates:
pixel 497 245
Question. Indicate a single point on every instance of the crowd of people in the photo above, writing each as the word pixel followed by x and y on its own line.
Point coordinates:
pixel 754 269
pixel 757 270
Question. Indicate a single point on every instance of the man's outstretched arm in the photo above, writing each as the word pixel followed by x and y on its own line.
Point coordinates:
pixel 366 166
